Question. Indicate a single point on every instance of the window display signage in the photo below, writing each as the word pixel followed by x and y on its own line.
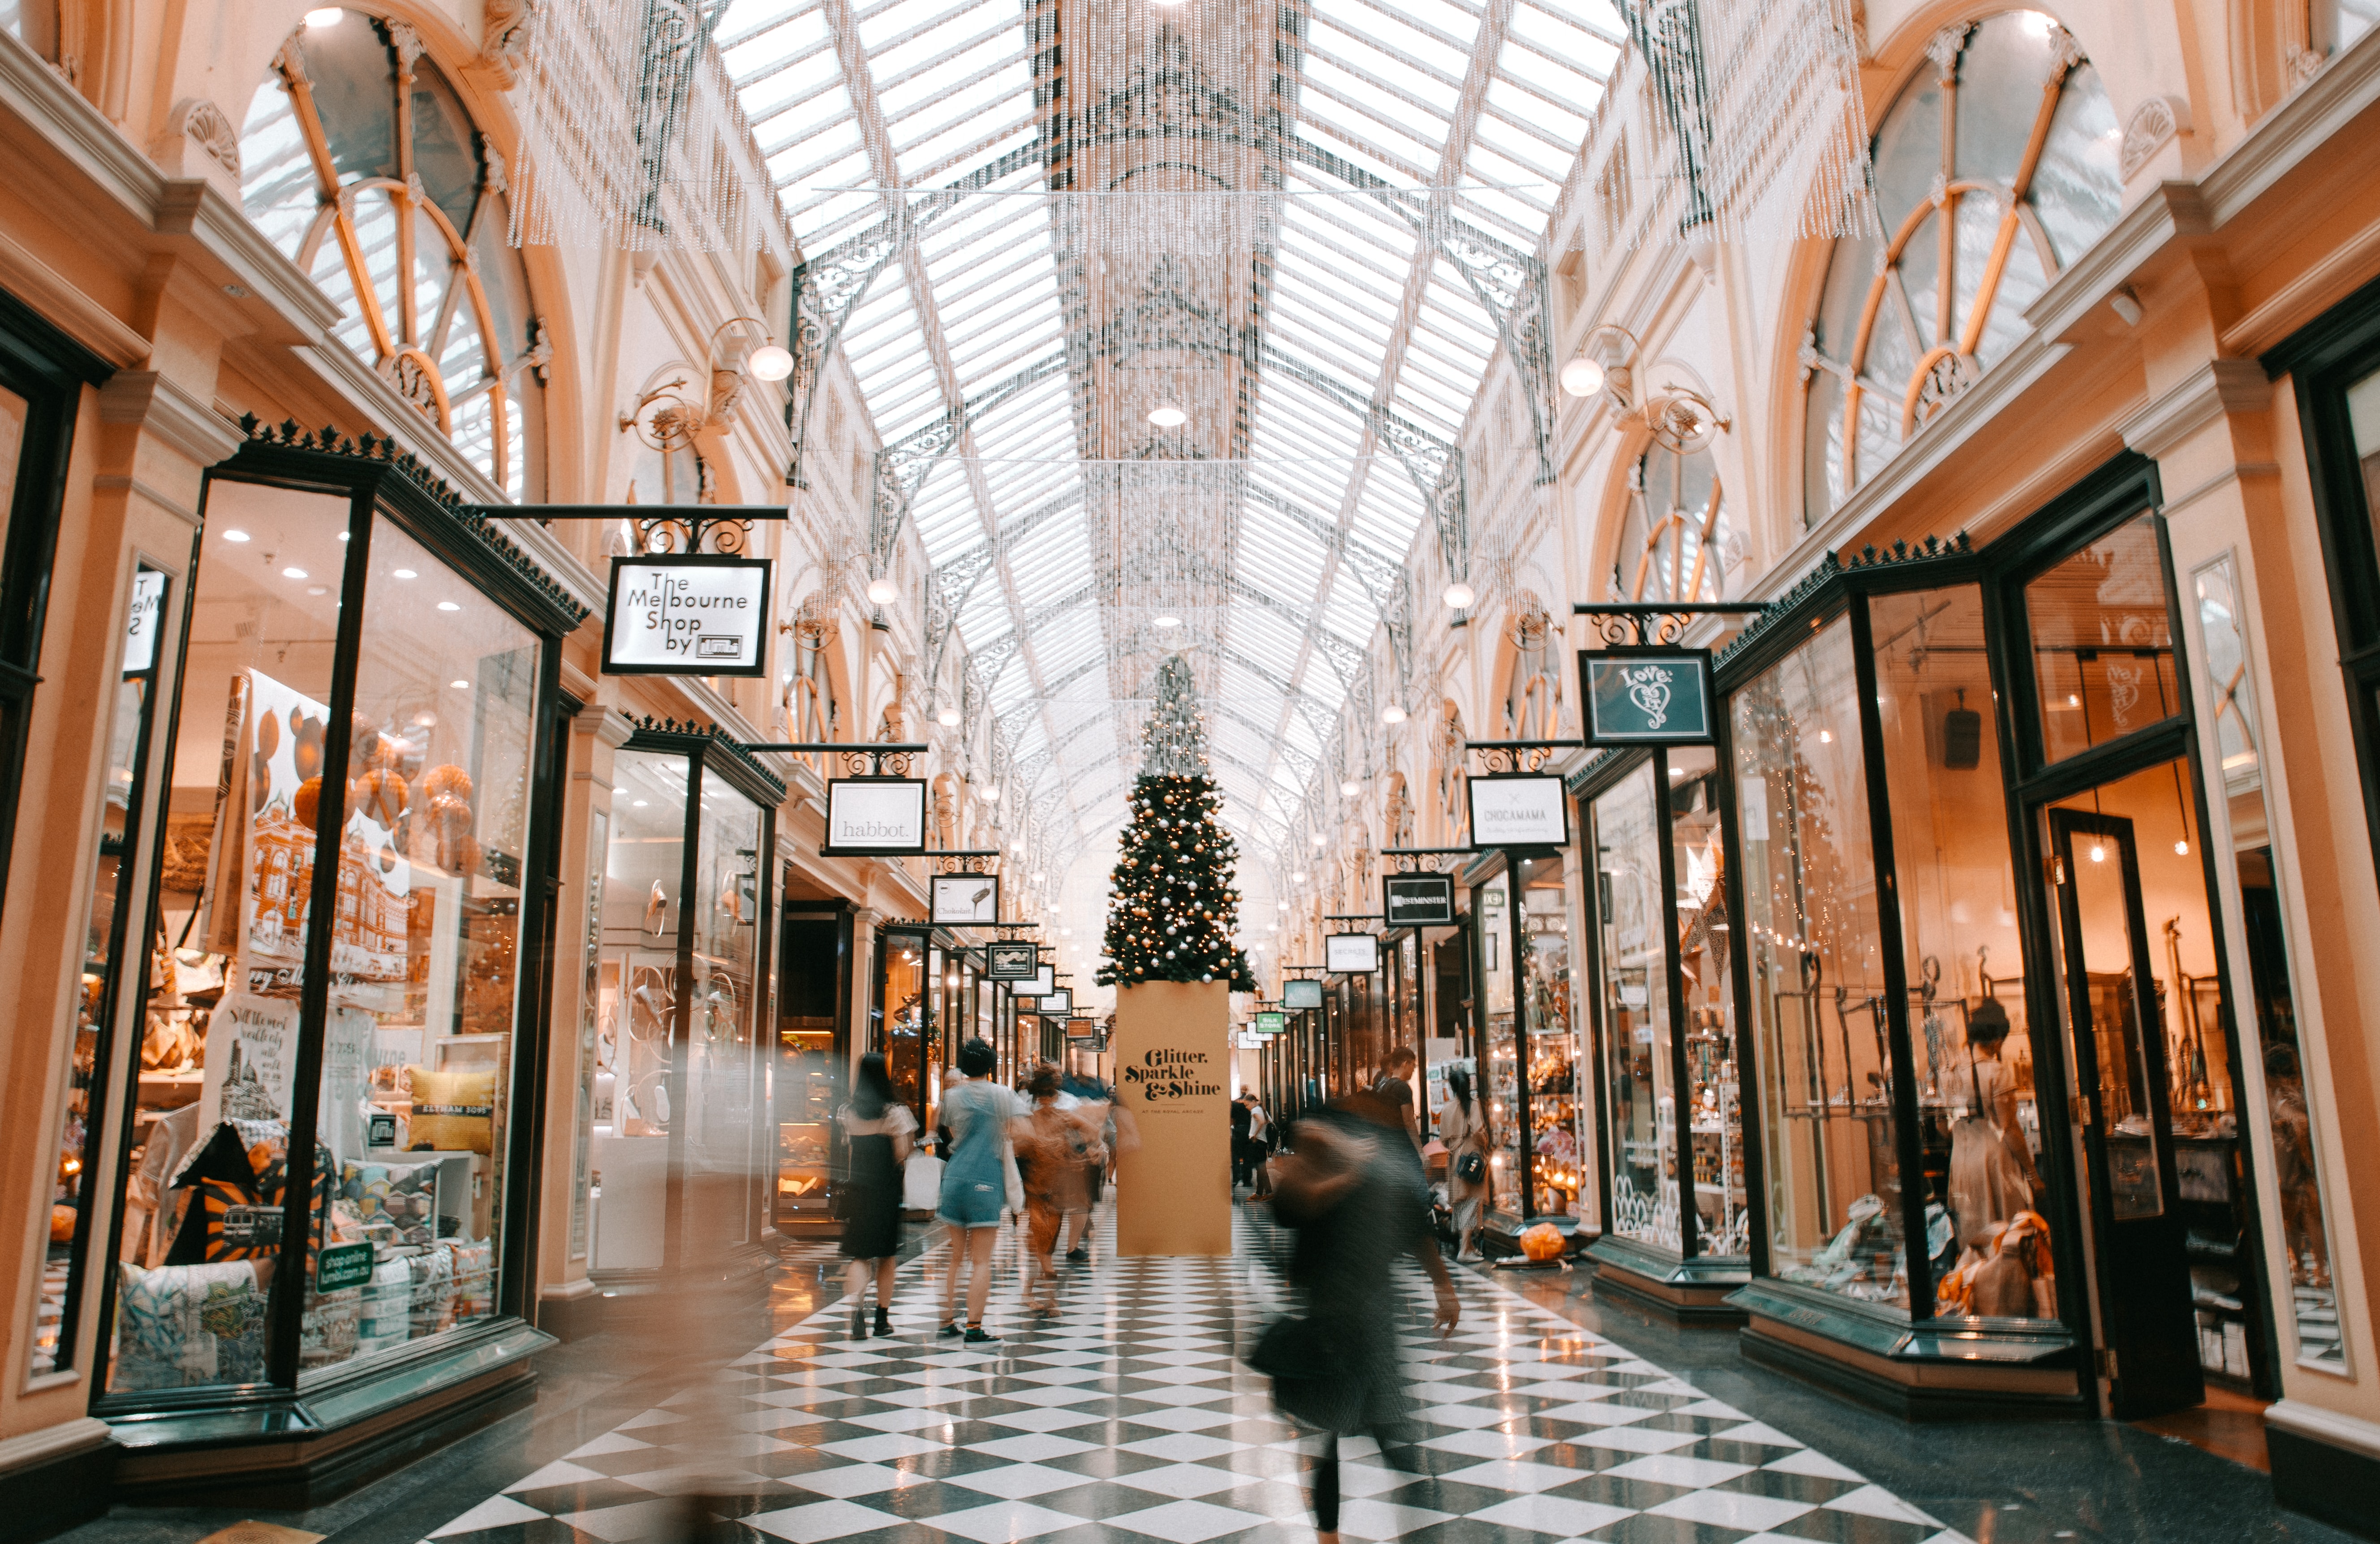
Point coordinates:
pixel 966 901
pixel 1301 994
pixel 1270 1023
pixel 1418 900
pixel 1520 811
pixel 874 816
pixel 1351 953
pixel 1645 697
pixel 1013 961
pixel 140 628
pixel 687 615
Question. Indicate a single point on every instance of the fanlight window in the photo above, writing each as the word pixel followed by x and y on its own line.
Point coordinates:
pixel 363 165
pixel 1994 170
pixel 1675 542
pixel 1533 685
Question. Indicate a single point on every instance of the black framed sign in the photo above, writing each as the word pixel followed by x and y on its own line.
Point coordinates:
pixel 1059 1004
pixel 964 901
pixel 874 816
pixel 1645 696
pixel 1417 900
pixel 1351 953
pixel 1041 983
pixel 1082 1028
pixel 689 613
pixel 1301 994
pixel 1012 960
pixel 1270 1022
pixel 1526 809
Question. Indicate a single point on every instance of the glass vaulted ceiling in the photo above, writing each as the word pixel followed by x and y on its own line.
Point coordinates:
pixel 862 108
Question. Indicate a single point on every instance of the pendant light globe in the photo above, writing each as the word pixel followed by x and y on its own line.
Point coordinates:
pixel 771 361
pixel 1582 377
pixel 882 592
pixel 1459 596
pixel 1167 414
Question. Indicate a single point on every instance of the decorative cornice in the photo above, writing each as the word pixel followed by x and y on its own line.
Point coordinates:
pixel 372 447
pixel 715 735
pixel 161 408
pixel 2218 387
pixel 1831 568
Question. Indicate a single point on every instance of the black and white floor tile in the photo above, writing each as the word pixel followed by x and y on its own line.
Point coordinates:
pixel 1131 1417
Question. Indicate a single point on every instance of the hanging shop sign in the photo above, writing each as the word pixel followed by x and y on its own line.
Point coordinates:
pixel 1351 953
pixel 1270 1022
pixel 1082 1029
pixel 1645 696
pixel 966 901
pixel 874 816
pixel 1301 994
pixel 693 614
pixel 1528 809
pixel 1417 900
pixel 1012 961
pixel 1059 1004
pixel 1041 983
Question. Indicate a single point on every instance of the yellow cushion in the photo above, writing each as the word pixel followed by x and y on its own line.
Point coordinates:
pixel 454 1112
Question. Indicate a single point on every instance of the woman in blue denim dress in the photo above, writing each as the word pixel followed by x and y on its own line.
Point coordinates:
pixel 981 1116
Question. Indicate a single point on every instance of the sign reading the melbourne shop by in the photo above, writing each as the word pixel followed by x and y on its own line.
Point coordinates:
pixel 1528 811
pixel 687 615
pixel 874 816
pixel 1417 900
pixel 1647 698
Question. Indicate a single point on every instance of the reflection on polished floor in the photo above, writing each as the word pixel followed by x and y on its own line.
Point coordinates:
pixel 1548 1417
pixel 1131 1417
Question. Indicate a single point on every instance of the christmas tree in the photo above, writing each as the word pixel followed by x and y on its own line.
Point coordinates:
pixel 1171 900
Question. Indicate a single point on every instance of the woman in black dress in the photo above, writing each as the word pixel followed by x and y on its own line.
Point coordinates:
pixel 877 1129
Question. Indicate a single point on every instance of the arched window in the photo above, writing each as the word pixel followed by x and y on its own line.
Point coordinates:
pixel 1994 170
pixel 1532 682
pixel 360 164
pixel 1675 543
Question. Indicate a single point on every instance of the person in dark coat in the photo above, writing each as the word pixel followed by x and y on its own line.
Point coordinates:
pixel 1240 1157
pixel 1352 1190
pixel 879 1131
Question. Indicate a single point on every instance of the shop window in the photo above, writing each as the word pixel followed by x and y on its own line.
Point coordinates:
pixel 1532 682
pixel 1830 1098
pixel 1980 1131
pixel 360 163
pixel 112 973
pixel 342 908
pixel 1675 542
pixel 2102 659
pixel 1995 169
pixel 2293 1155
pixel 678 1099
pixel 1634 969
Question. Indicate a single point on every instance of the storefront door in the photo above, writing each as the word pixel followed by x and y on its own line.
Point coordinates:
pixel 2113 991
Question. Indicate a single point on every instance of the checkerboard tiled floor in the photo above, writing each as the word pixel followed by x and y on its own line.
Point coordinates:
pixel 1132 1418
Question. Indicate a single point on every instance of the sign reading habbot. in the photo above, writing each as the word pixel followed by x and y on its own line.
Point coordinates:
pixel 687 615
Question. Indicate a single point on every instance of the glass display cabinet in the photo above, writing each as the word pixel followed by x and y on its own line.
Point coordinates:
pixel 813 1052
pixel 314 1034
pixel 1676 1205
pixel 1531 1047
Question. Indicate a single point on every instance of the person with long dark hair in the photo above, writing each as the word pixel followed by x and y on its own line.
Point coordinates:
pixel 1463 1128
pixel 877 1130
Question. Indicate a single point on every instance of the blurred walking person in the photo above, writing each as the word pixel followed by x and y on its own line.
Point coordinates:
pixel 981 1116
pixel 1056 1157
pixel 877 1133
pixel 1240 1142
pixel 1352 1192
pixel 1259 1148
pixel 1463 1126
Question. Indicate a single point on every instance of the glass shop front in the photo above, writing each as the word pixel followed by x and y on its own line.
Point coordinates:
pixel 680 1152
pixel 932 996
pixel 1985 1000
pixel 813 1056
pixel 306 1021
pixel 1529 1038
pixel 1676 1200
